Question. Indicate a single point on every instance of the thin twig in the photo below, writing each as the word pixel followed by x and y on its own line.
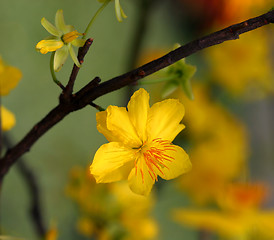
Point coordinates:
pixel 99 108
pixel 34 192
pixel 88 96
pixel 81 54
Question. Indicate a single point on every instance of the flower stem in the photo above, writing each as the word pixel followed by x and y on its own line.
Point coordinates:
pixel 94 17
pixel 53 73
pixel 153 81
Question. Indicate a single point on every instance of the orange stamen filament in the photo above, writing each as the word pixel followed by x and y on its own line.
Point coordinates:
pixel 155 157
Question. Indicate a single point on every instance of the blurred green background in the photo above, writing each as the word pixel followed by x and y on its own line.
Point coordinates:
pixel 75 140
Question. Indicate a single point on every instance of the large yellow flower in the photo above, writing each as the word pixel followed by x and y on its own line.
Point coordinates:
pixel 140 143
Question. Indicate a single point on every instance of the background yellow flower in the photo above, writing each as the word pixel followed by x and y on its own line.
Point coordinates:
pixel 108 211
pixel 9 78
pixel 219 149
pixel 241 218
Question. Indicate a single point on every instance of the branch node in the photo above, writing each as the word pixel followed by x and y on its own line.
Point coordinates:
pixel 141 73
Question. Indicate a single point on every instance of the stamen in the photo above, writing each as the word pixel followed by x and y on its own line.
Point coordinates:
pixel 69 37
pixel 156 156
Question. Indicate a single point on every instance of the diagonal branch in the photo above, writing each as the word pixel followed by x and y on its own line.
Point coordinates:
pixel 34 192
pixel 92 91
pixel 81 54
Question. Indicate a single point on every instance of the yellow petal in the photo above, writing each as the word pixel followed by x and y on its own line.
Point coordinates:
pixel 119 124
pixel 50 28
pixel 59 21
pixel 140 181
pixel 118 11
pixel 178 163
pixel 50 45
pixel 264 222
pixel 164 120
pixel 60 57
pixel 9 78
pixel 112 162
pixel 7 119
pixel 101 118
pixel 138 107
pixel 224 224
pixel 73 55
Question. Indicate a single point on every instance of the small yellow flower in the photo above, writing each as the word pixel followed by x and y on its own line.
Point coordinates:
pixel 63 38
pixel 120 14
pixel 140 147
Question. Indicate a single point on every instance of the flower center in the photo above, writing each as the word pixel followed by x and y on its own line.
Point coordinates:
pixel 156 157
pixel 69 37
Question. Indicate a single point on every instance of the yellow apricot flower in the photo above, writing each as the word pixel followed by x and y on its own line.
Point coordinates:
pixel 239 217
pixel 120 14
pixel 140 143
pixel 62 38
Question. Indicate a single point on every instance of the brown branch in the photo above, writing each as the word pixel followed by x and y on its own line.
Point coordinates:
pixel 88 94
pixel 34 193
pixel 81 54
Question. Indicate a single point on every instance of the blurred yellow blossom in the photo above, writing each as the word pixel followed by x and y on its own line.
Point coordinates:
pixel 240 197
pixel 111 210
pixel 140 143
pixel 219 151
pixel 63 38
pixel 222 13
pixel 9 78
pixel 244 67
pixel 241 219
pixel 7 119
